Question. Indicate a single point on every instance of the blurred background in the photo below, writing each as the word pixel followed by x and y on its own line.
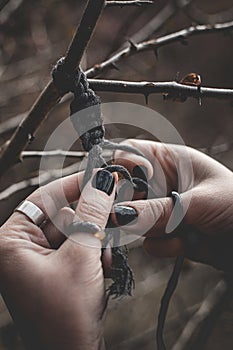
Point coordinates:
pixel 33 35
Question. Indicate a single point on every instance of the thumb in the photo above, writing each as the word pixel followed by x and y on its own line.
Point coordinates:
pixel 94 207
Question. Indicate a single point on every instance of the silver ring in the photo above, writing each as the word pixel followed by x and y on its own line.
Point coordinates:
pixel 34 213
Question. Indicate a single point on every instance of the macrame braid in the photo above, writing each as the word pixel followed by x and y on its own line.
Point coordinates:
pixel 88 122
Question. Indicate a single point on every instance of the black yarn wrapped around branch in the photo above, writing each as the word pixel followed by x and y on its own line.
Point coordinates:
pixel 87 120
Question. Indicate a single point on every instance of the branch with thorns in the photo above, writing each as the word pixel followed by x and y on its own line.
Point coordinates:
pixel 172 88
pixel 154 44
pixel 128 3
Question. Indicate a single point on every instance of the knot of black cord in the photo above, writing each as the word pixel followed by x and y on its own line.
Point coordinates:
pixel 85 108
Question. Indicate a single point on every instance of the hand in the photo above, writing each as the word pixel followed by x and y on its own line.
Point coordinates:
pixel 53 286
pixel 206 189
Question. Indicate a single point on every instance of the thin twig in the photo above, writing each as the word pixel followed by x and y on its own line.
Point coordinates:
pixel 7 8
pixel 10 153
pixel 59 153
pixel 155 23
pixel 3 3
pixel 216 150
pixel 198 15
pixel 155 44
pixel 172 87
pixel 206 307
pixel 50 175
pixel 42 179
pixel 129 3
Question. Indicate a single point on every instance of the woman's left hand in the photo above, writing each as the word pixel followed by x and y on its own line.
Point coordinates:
pixel 53 286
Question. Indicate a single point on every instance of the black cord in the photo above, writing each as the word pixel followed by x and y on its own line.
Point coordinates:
pixel 173 280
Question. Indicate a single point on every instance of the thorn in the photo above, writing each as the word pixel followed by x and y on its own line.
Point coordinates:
pixel 146 98
pixel 199 97
pixel 177 79
pixel 133 46
pixel 114 66
pixel 183 40
pixel 31 138
pixel 156 54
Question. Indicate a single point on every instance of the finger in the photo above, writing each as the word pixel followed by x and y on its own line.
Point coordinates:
pixel 94 207
pixel 164 249
pixel 158 216
pixel 50 199
pixel 152 216
pixel 95 204
pixel 171 164
pixel 57 194
pixel 55 230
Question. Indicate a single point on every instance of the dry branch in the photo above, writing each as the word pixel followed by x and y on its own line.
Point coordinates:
pixel 50 175
pixel 172 87
pixel 59 153
pixel 3 3
pixel 7 8
pixel 42 179
pixel 129 3
pixel 205 309
pixel 155 23
pixel 10 153
pixel 155 44
pixel 198 15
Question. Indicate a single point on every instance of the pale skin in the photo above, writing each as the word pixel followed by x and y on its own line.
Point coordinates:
pixel 54 287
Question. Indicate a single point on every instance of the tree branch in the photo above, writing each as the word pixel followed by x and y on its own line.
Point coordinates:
pixel 10 153
pixel 155 44
pixel 42 179
pixel 50 175
pixel 129 3
pixel 7 8
pixel 155 23
pixel 172 87
pixel 3 3
pixel 59 153
pixel 209 303
pixel 200 16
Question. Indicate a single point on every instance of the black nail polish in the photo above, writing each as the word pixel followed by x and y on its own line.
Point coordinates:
pixel 124 214
pixel 140 171
pixel 103 181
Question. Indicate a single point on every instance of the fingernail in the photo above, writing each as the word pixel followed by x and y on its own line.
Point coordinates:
pixel 103 181
pixel 125 215
pixel 140 171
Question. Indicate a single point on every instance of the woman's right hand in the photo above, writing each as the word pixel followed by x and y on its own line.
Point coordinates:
pixel 206 189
